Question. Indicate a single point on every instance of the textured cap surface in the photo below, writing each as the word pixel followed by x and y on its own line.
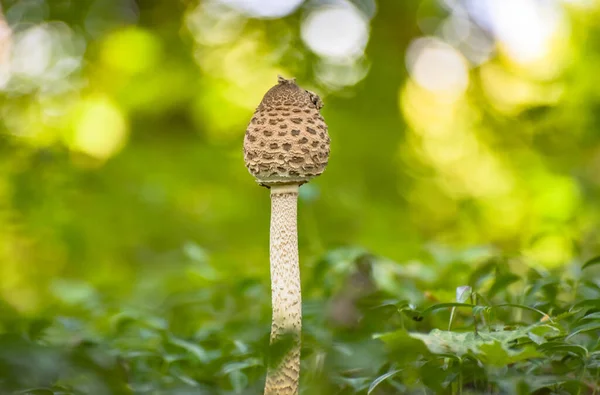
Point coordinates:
pixel 286 141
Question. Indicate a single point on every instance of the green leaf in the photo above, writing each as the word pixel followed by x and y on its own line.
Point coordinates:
pixel 186 379
pixel 540 334
pixel 411 313
pixel 37 327
pixel 446 342
pixel 520 306
pixel 238 380
pixel 463 293
pixel 192 348
pixel 592 326
pixel 233 366
pixel 35 391
pixel 468 343
pixel 591 262
pixel 592 316
pixel 593 303
pixel 498 354
pixel 441 306
pixel 501 283
pixel 561 347
pixel 403 346
pixel 381 379
pixel 483 271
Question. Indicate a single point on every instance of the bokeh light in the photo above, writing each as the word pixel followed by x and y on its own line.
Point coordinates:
pixel 43 56
pixel 456 125
pixel 130 50
pixel 583 4
pixel 214 23
pixel 100 128
pixel 336 75
pixel 338 31
pixel 265 8
pixel 511 93
pixel 524 28
pixel 437 67
pixel 33 50
pixel 5 50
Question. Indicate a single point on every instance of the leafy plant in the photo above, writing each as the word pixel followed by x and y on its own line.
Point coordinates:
pixel 512 331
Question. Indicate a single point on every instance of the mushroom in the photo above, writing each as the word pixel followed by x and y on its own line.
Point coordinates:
pixel 286 144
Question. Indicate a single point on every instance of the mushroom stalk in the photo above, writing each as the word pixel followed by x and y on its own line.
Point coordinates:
pixel 283 378
pixel 285 146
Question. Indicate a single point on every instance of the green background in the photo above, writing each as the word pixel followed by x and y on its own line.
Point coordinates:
pixel 122 181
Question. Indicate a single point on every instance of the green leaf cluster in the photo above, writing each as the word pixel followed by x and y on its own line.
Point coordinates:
pixel 537 333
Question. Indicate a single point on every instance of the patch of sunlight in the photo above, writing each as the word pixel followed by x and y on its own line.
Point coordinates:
pixel 55 110
pixel 15 286
pixel 251 70
pixel 336 75
pixel 337 31
pixel 555 197
pixel 427 112
pixel 556 59
pixel 24 298
pixel 582 4
pixel 39 122
pixel 438 67
pixel 216 114
pixel 21 120
pixel 265 8
pixel 524 28
pixel 214 23
pixel 100 128
pixel 5 51
pixel 510 93
pixel 131 50
pixel 237 76
pixel 506 212
pixel 33 52
pixel 477 174
pixel 44 55
pixel 444 135
pixel 550 250
pixel 463 34
pixel 248 66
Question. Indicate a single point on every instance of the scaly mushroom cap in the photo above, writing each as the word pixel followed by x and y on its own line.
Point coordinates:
pixel 286 141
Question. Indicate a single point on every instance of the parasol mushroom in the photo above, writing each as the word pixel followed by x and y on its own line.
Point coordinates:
pixel 286 145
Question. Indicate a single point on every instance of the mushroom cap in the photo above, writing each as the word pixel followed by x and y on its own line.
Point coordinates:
pixel 286 140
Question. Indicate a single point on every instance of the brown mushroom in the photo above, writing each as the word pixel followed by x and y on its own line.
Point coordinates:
pixel 292 159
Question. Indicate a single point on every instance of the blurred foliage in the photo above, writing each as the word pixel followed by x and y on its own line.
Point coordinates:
pixel 373 327
pixel 134 244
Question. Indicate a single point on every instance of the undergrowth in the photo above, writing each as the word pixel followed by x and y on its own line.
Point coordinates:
pixel 473 322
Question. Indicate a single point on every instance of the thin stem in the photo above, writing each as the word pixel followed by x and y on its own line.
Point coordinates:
pixel 460 379
pixel 581 376
pixel 451 318
pixel 474 315
pixel 284 369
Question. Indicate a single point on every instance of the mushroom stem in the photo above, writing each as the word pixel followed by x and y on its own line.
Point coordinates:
pixel 283 375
